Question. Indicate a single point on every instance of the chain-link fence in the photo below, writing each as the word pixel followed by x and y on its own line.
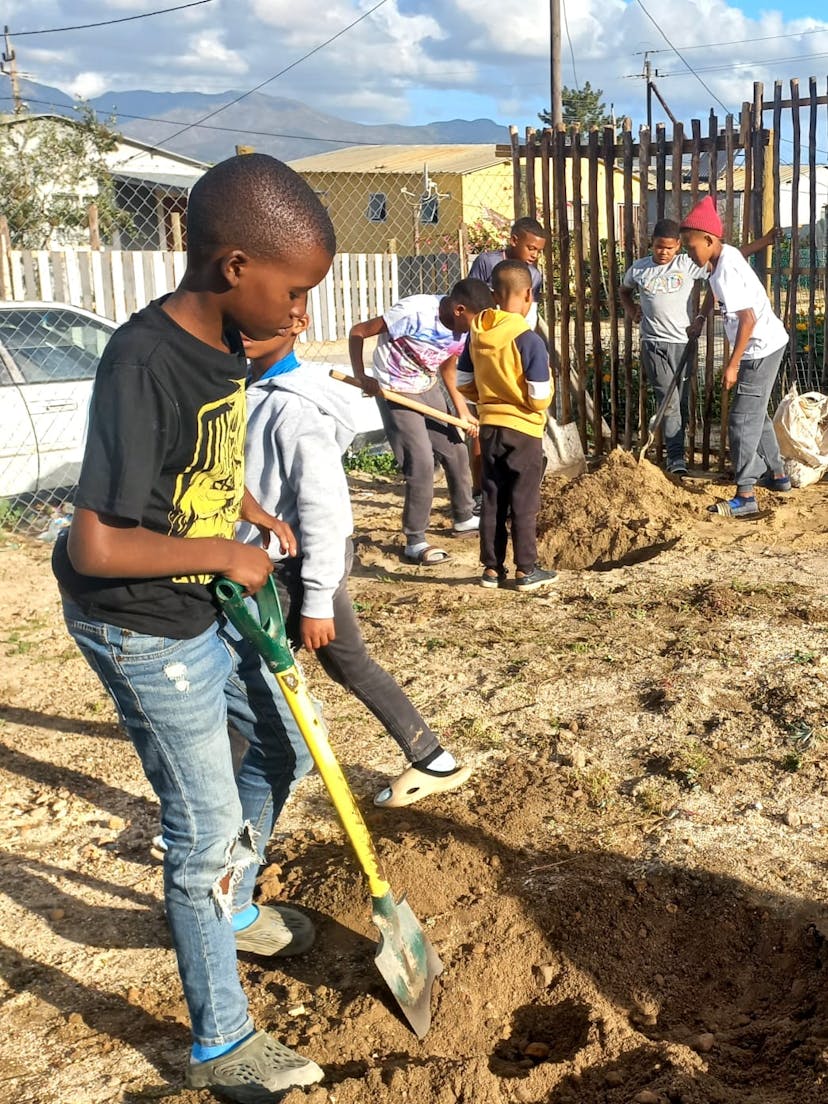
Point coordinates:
pixel 409 220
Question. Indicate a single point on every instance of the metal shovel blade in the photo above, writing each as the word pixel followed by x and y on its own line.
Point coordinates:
pixel 405 958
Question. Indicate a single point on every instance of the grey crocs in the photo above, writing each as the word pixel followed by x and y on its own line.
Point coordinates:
pixel 254 1072
pixel 277 931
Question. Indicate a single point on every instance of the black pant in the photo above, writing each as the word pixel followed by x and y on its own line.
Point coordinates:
pixel 347 662
pixel 510 482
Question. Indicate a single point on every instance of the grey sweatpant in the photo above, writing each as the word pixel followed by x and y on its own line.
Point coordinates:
pixel 347 661
pixel 753 445
pixel 416 440
pixel 661 360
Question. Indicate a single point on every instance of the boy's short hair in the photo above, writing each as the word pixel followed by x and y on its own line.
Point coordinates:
pixel 667 228
pixel 474 295
pixel 511 277
pixel 528 226
pixel 258 204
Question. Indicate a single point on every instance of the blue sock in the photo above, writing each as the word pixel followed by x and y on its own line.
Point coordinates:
pixel 245 918
pixel 201 1053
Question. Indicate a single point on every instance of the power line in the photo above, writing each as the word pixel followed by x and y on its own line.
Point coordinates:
pixel 269 80
pixel 571 51
pixel 110 22
pixel 206 126
pixel 758 63
pixel 705 86
pixel 744 41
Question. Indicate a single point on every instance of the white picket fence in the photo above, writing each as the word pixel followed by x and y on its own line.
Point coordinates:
pixel 115 283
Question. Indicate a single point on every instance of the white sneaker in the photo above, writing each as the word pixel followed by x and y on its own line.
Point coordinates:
pixel 470 526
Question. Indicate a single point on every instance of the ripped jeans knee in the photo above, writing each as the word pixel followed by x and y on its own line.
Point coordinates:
pixel 241 853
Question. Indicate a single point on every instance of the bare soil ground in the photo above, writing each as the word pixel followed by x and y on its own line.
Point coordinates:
pixel 629 896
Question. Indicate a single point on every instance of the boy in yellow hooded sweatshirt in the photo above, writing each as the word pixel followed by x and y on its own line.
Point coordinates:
pixel 505 370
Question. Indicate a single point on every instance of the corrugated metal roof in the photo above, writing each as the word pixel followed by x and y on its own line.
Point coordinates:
pixel 785 175
pixel 401 159
pixel 167 180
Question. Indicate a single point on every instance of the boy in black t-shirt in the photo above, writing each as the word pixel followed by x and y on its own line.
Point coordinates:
pixel 160 492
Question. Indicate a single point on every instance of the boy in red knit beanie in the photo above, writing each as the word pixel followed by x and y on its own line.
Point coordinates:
pixel 757 342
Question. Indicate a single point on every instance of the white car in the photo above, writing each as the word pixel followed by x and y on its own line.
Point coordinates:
pixel 49 353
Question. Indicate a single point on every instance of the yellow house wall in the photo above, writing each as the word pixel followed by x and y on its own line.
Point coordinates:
pixel 465 198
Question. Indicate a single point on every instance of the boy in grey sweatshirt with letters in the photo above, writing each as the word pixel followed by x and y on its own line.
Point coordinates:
pixel 298 427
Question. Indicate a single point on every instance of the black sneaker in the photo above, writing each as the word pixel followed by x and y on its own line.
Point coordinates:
pixel 478 505
pixel 254 1072
pixel 537 577
pixel 493 581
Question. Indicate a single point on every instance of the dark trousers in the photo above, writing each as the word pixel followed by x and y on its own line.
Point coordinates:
pixel 347 662
pixel 416 442
pixel 510 483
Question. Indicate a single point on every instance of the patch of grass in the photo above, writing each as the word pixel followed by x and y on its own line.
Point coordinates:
pixel 598 785
pixel 370 461
pixel 689 764
pixel 579 647
pixel 478 732
pixel 649 798
pixel 800 738
pixel 18 644
pixel 11 514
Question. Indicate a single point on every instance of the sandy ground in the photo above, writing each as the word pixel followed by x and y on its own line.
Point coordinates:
pixel 629 896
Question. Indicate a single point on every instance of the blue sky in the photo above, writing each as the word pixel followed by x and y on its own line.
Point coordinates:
pixel 414 61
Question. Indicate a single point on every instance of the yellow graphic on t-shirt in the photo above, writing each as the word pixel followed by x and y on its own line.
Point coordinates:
pixel 208 492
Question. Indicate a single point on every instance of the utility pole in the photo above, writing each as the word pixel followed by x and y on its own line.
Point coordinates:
pixel 556 99
pixel 10 69
pixel 648 77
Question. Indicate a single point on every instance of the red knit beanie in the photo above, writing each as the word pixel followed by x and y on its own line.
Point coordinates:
pixel 704 217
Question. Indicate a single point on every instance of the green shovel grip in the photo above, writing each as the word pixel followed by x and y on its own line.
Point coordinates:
pixel 268 632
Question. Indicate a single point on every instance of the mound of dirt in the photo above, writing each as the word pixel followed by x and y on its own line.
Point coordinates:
pixel 621 513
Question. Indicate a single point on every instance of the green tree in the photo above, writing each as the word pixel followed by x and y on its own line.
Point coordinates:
pixel 583 106
pixel 50 171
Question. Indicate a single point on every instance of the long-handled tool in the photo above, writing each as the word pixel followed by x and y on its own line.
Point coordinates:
pixel 677 380
pixel 404 957
pixel 403 400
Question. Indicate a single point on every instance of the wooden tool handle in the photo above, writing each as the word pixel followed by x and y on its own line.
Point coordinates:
pixel 403 400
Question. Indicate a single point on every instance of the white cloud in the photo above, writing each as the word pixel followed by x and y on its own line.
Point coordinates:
pixel 382 68
pixel 88 85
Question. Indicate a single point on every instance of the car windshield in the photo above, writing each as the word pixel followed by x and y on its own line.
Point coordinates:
pixel 52 344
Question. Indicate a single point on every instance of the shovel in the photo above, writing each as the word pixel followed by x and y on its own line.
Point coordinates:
pixel 404 957
pixel 678 378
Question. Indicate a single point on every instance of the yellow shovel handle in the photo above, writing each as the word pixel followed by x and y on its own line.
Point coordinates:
pixel 313 730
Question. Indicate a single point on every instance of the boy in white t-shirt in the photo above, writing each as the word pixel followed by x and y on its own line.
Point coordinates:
pixel 757 343
pixel 416 342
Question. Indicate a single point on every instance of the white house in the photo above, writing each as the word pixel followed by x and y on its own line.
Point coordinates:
pixel 151 185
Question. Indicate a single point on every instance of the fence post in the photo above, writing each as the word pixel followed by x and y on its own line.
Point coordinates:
pixel 644 235
pixel 595 292
pixel 793 279
pixel 580 312
pixel 629 257
pixel 5 259
pixel 558 139
pixel 516 174
pixel 177 234
pixel 94 228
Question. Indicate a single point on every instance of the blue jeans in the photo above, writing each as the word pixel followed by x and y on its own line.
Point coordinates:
pixel 174 698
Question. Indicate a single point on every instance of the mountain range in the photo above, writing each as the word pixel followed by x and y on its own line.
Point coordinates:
pixel 284 128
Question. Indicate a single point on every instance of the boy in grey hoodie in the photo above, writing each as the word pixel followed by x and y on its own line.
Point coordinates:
pixel 298 426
